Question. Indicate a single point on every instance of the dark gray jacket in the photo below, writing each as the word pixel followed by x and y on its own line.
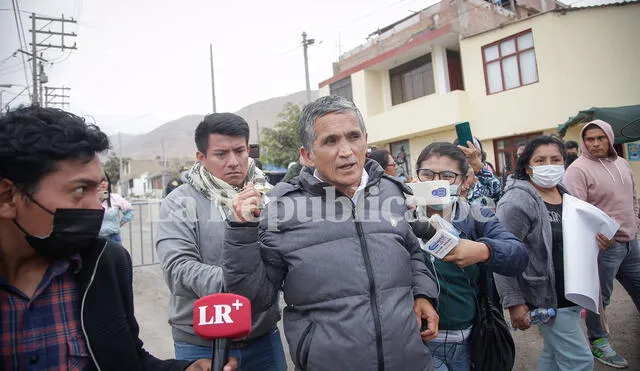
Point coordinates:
pixel 523 212
pixel 349 275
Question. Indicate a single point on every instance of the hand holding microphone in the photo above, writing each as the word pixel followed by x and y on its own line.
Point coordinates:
pixel 221 318
pixel 246 204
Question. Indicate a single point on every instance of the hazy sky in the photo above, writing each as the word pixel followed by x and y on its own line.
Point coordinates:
pixel 141 63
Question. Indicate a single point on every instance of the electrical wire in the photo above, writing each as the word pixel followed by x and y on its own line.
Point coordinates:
pixel 7 58
pixel 21 37
pixel 442 21
pixel 16 97
pixel 10 71
pixel 11 66
pixel 24 37
pixel 356 20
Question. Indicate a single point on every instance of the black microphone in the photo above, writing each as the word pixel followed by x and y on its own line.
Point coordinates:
pixel 422 228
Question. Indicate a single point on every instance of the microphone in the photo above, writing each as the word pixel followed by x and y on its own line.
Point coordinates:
pixel 221 318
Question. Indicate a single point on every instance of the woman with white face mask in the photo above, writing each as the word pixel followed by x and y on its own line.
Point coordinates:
pixel 531 208
pixel 485 246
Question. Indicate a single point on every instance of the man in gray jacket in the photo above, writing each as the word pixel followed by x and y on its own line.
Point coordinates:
pixel 190 240
pixel 335 240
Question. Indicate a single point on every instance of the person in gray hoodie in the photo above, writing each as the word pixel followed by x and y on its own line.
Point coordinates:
pixel 531 209
pixel 336 241
pixel 189 243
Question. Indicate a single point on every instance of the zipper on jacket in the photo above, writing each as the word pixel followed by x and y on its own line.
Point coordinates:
pixel 372 290
pixel 84 330
pixel 306 334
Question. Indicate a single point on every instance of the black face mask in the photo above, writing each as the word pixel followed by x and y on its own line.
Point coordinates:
pixel 73 230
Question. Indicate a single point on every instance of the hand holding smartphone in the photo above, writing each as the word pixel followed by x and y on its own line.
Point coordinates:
pixel 463 131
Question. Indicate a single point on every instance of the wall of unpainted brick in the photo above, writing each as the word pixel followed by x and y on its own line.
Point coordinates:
pixel 480 16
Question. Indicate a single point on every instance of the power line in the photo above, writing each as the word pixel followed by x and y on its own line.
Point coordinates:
pixel 17 96
pixel 24 37
pixel 7 58
pixel 356 20
pixel 11 66
pixel 10 72
pixel 444 21
pixel 16 8
pixel 11 10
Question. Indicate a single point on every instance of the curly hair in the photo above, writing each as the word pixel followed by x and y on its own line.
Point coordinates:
pixel 33 140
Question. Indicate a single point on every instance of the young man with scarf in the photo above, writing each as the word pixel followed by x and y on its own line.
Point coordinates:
pixel 66 300
pixel 190 241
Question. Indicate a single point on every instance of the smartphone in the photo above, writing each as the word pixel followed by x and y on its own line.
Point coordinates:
pixel 463 130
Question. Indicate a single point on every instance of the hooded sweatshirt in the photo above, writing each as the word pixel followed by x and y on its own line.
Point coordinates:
pixel 606 183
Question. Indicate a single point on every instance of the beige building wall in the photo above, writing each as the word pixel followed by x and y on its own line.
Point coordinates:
pixel 585 58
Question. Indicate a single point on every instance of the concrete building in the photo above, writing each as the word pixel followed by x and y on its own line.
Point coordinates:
pixel 511 73
pixel 148 178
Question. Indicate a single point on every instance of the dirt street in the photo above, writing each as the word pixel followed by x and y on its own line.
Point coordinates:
pixel 151 296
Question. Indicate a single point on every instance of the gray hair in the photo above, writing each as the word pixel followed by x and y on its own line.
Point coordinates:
pixel 322 107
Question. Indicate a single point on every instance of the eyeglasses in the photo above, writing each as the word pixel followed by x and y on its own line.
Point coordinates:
pixel 393 164
pixel 425 175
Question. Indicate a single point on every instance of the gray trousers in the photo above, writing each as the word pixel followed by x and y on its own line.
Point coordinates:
pixel 622 261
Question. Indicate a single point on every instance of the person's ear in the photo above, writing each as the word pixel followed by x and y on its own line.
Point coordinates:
pixel 201 157
pixel 8 196
pixel 308 157
pixel 528 170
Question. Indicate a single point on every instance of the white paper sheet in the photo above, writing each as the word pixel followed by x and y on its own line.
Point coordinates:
pixel 581 222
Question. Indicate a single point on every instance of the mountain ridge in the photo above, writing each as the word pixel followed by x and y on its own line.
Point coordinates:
pixel 176 137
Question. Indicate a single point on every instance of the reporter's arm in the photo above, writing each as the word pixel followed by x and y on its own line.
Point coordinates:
pixel 508 256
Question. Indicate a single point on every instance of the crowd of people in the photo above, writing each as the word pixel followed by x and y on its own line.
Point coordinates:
pixel 338 239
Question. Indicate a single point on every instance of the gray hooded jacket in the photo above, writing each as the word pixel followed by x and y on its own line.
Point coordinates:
pixel 189 245
pixel 349 274
pixel 523 212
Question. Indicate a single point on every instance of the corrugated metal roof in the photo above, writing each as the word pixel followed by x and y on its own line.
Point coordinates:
pixel 575 6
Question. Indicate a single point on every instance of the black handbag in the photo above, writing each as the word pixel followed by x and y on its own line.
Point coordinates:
pixel 492 346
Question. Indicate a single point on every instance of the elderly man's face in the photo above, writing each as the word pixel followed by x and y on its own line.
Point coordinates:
pixel 338 151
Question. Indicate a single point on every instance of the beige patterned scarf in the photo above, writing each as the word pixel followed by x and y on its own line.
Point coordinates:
pixel 216 189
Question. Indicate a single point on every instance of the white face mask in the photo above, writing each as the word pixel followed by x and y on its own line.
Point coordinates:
pixel 547 176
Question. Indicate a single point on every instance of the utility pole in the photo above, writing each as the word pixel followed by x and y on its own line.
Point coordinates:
pixel 306 43
pixel 36 98
pixel 34 63
pixel 213 86
pixel 164 163
pixel 121 175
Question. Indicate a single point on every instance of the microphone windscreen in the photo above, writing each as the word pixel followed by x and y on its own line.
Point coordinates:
pixel 222 316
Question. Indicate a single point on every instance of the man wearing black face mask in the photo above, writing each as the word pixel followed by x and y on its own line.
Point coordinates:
pixel 66 299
